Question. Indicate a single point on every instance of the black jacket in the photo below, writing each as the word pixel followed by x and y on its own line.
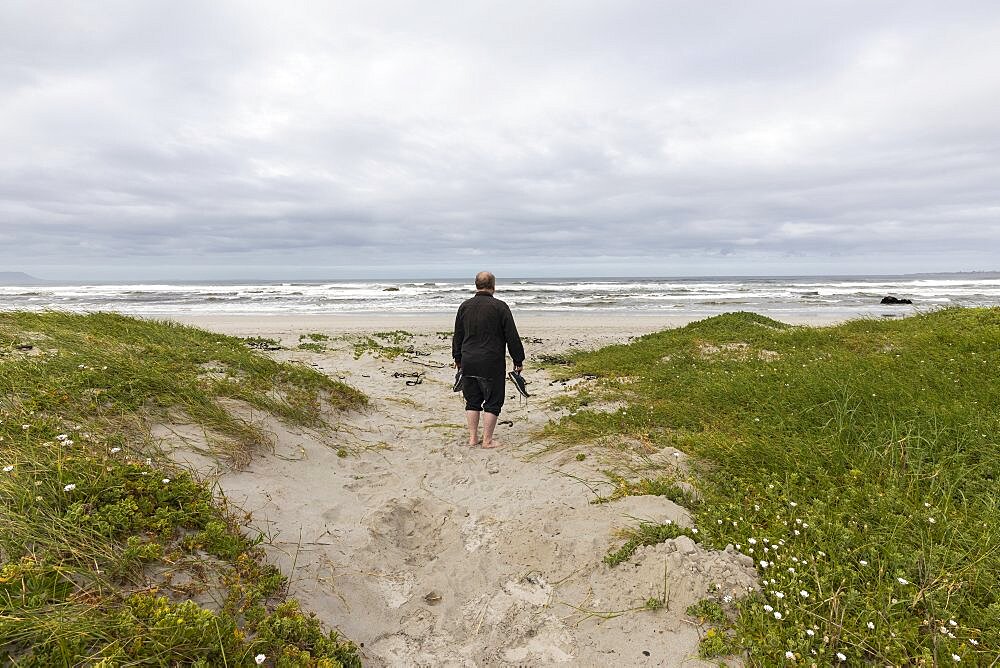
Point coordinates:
pixel 483 326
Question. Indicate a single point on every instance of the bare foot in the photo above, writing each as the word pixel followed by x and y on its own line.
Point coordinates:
pixel 474 442
pixel 492 444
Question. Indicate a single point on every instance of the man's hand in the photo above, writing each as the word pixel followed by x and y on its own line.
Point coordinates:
pixel 456 365
pixel 518 368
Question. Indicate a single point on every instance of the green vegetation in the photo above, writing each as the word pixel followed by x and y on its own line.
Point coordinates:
pixel 663 486
pixel 719 638
pixel 103 550
pixel 375 349
pixel 313 342
pixel 572 401
pixel 395 336
pixel 857 465
pixel 546 359
pixel 261 343
pixel 647 534
pixel 708 611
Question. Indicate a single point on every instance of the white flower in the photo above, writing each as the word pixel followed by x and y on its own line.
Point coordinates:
pixel 810 633
pixel 902 581
pixel 797 532
pixel 259 659
pixel 863 562
pixel 727 599
pixel 70 487
pixel 931 520
pixel 8 468
pixel 26 427
pixel 668 522
pixel 67 442
pixel 791 570
pixel 763 564
pixel 841 656
pixel 956 658
pixel 718 521
pixel 871 625
pixel 973 641
pixel 777 615
pixel 952 622
pixel 926 505
pixel 768 608
pixel 165 481
pixel 792 504
pixel 694 530
pixel 62 437
pixel 752 541
pixel 789 654
pixel 779 595
pixel 81 366
pixel 804 594
pixel 805 525
pixel 115 450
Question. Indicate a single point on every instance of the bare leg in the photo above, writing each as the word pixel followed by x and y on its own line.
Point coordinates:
pixel 489 424
pixel 472 419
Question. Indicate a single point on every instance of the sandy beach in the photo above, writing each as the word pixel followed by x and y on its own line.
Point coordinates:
pixel 590 326
pixel 427 552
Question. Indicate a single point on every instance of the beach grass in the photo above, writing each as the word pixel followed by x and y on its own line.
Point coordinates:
pixel 109 555
pixel 857 465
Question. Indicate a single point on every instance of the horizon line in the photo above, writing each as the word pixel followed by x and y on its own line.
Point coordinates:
pixel 147 281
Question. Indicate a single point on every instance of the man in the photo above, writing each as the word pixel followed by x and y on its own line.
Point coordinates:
pixel 483 327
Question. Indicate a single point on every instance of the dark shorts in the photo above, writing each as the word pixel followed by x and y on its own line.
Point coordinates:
pixel 483 394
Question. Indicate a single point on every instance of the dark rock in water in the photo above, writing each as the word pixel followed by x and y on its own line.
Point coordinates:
pixel 889 299
pixel 390 289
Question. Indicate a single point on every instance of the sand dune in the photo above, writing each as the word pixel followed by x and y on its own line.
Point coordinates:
pixel 432 553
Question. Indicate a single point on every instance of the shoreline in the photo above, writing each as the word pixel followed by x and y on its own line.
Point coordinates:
pixel 527 322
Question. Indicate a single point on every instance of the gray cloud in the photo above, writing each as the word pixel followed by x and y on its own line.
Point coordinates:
pixel 228 139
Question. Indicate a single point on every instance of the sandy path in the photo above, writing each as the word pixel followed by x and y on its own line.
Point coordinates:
pixel 430 553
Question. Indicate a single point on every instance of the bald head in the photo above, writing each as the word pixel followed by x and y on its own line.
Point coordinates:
pixel 486 281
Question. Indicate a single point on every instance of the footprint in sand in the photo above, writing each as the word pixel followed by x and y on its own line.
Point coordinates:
pixel 417 529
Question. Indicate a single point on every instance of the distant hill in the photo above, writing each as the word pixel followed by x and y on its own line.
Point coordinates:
pixel 19 278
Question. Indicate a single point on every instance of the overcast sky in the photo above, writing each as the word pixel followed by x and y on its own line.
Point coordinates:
pixel 145 140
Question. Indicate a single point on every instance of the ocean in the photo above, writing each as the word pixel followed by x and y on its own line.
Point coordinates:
pixel 776 296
